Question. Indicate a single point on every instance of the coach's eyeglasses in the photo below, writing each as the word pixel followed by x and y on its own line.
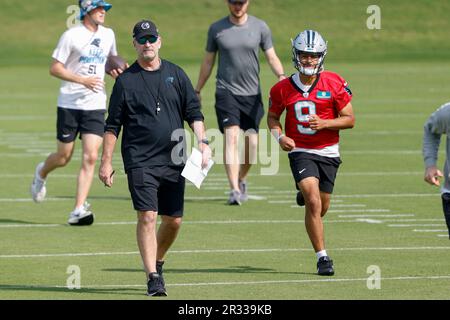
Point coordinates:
pixel 236 2
pixel 143 40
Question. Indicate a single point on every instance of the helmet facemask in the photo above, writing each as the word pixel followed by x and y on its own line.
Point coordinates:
pixel 308 71
pixel 310 43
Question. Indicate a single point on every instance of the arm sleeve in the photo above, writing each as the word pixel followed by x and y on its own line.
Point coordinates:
pixel 114 120
pixel 211 44
pixel 190 102
pixel 266 37
pixel 434 127
pixel 63 49
pixel 276 101
pixel 343 94
pixel 113 51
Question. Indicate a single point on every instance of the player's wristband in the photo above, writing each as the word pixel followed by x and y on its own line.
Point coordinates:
pixel 279 137
pixel 205 141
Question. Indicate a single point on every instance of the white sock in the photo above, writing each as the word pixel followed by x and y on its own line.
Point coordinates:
pixel 39 177
pixel 321 254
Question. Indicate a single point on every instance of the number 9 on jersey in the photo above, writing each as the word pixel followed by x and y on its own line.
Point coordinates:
pixel 302 111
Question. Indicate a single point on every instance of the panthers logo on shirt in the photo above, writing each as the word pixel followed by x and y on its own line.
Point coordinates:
pixel 96 42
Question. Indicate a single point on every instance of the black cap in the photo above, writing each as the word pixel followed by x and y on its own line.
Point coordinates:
pixel 145 28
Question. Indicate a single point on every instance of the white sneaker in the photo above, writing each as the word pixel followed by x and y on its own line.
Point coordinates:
pixel 243 190
pixel 38 189
pixel 81 216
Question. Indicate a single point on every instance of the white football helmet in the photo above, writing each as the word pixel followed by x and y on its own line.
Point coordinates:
pixel 309 41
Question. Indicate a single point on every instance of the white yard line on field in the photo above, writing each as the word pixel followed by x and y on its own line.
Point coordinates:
pixel 31 200
pixel 370 221
pixel 219 222
pixel 20 225
pixel 412 220
pixel 293 281
pixel 216 178
pixel 413 225
pixel 232 251
pixel 358 210
pixel 291 193
pixel 229 283
pixel 260 194
pixel 388 195
pixel 347 205
pixel 349 152
pixel 374 215
pixel 332 202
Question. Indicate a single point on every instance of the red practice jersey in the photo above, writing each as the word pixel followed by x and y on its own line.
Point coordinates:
pixel 326 97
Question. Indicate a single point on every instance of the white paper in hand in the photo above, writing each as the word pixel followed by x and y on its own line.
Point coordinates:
pixel 193 169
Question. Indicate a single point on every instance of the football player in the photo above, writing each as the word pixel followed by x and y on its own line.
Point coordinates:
pixel 79 61
pixel 437 125
pixel 317 105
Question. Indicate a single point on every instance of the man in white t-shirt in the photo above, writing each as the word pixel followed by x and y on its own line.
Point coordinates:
pixel 79 61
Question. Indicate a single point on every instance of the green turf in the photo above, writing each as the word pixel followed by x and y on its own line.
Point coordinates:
pixel 260 250
pixel 410 30
pixel 267 255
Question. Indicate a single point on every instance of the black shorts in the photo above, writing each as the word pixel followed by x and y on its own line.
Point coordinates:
pixel 304 165
pixel 159 189
pixel 243 111
pixel 70 121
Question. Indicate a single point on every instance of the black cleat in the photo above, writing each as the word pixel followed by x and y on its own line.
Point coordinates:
pixel 159 270
pixel 155 287
pixel 325 266
pixel 300 199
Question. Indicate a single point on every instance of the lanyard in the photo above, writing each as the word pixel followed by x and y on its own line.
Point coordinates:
pixel 158 109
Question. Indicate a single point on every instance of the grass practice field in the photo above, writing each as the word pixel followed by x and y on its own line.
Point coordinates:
pixel 382 216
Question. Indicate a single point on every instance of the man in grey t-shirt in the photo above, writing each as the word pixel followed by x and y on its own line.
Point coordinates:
pixel 438 124
pixel 237 38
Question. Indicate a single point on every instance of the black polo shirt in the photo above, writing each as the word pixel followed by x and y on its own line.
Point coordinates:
pixel 147 128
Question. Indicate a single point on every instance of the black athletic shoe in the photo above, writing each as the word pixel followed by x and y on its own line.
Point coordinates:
pixel 300 199
pixel 325 266
pixel 155 287
pixel 159 269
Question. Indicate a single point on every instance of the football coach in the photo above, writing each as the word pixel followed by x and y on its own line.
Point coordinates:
pixel 151 100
